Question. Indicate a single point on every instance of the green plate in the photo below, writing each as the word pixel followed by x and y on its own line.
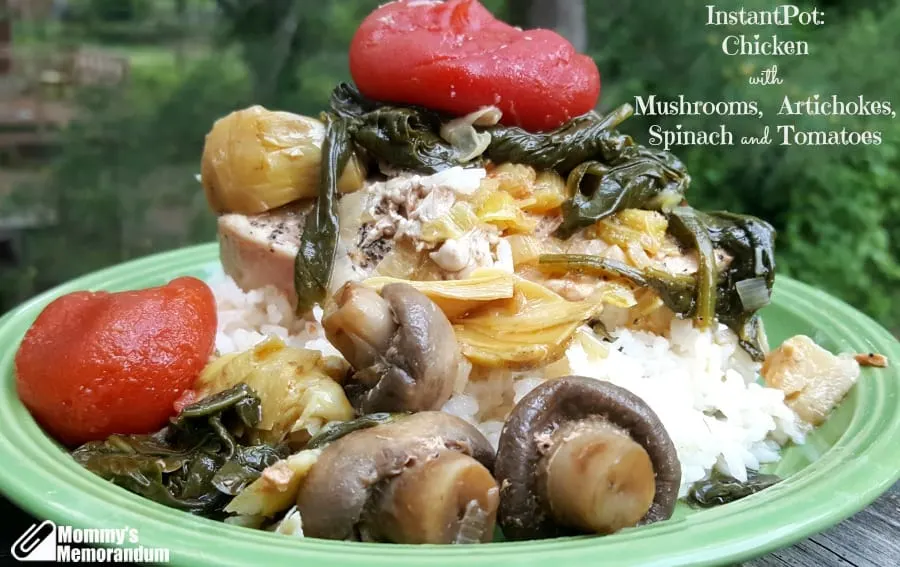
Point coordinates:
pixel 846 464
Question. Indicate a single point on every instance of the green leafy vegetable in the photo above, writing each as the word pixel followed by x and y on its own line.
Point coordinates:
pixel 406 138
pixel 581 139
pixel 749 242
pixel 318 243
pixel 196 463
pixel 638 178
pixel 607 171
pixel 686 225
pixel 677 291
pixel 348 102
pixel 722 489
pixel 335 430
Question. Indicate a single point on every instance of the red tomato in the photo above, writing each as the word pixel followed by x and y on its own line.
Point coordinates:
pixel 95 364
pixel 456 57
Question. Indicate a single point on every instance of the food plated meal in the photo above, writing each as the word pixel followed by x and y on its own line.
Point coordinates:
pixel 454 308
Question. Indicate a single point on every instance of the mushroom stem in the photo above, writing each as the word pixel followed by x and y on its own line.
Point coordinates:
pixel 361 326
pixel 451 498
pixel 596 477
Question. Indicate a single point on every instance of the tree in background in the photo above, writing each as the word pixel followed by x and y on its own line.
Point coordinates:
pixel 567 17
pixel 276 35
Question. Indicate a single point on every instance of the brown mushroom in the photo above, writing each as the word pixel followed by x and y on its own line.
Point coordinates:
pixel 424 478
pixel 579 455
pixel 400 344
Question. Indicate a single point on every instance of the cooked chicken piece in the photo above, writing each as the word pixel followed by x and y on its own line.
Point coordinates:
pixel 259 250
pixel 813 380
pixel 872 359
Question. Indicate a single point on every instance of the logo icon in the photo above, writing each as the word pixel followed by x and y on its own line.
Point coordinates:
pixel 38 543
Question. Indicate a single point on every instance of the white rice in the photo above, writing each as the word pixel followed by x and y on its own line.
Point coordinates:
pixel 701 385
pixel 246 319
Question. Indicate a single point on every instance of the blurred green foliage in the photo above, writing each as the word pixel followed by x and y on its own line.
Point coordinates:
pixel 124 183
pixel 134 22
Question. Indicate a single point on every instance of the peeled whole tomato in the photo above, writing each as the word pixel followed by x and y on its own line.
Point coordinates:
pixel 97 364
pixel 456 57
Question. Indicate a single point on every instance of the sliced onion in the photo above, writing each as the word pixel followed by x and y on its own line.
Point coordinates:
pixel 754 293
pixel 472 524
pixel 461 133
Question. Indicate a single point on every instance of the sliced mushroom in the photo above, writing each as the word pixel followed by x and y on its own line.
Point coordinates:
pixel 579 455
pixel 400 344
pixel 424 478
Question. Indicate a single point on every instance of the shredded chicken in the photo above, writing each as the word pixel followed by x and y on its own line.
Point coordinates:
pixel 872 359
pixel 813 380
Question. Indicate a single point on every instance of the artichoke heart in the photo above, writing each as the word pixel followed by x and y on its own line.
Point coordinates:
pixel 503 211
pixel 457 222
pixel 255 160
pixel 531 329
pixel 276 488
pixel 298 388
pixel 636 227
pixel 502 320
pixel 457 297
pixel 549 193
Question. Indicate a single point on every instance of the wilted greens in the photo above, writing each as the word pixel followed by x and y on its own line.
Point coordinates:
pixel 750 242
pixel 335 430
pixel 607 173
pixel 318 241
pixel 686 225
pixel 581 139
pixel 638 178
pixel 721 489
pixel 197 463
pixel 405 137
pixel 740 289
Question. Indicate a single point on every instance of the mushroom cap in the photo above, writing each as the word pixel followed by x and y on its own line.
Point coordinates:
pixel 524 512
pixel 418 371
pixel 335 493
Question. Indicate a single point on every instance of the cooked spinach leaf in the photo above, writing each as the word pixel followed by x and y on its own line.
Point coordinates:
pixel 196 463
pixel 749 242
pixel 584 138
pixel 678 291
pixel 348 102
pixel 642 180
pixel 687 226
pixel 721 489
pixel 607 171
pixel 405 138
pixel 318 243
pixel 335 430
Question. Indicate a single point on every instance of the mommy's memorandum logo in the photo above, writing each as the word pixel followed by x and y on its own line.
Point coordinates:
pixel 48 542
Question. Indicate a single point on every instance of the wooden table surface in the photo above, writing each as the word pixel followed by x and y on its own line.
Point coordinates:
pixel 868 539
pixel 871 538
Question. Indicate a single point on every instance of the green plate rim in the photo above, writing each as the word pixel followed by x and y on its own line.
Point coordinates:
pixel 861 465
